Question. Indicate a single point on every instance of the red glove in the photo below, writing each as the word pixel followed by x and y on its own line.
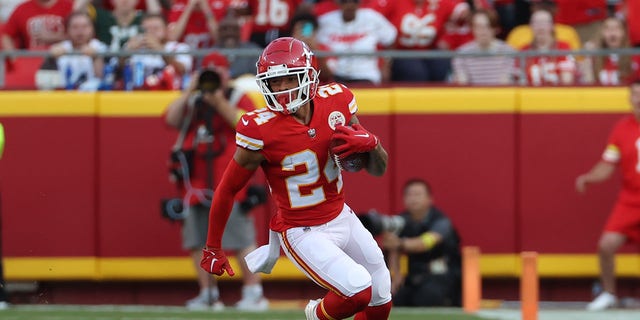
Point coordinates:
pixel 356 140
pixel 214 261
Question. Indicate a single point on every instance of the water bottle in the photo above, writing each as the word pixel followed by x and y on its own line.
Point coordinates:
pixel 68 81
pixel 127 76
pixel 109 77
pixel 138 74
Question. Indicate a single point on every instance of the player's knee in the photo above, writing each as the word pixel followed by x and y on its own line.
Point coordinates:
pixel 358 279
pixel 380 287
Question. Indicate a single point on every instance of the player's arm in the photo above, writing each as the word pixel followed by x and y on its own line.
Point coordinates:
pixel 235 177
pixel 378 156
pixel 602 171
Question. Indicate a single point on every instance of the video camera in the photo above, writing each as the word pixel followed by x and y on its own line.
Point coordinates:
pixel 174 208
pixel 377 223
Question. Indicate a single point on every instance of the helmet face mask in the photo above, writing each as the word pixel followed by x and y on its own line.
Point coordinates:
pixel 285 57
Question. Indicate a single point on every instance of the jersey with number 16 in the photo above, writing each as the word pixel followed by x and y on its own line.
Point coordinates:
pixel 305 181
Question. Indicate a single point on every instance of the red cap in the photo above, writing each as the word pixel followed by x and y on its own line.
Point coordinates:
pixel 215 59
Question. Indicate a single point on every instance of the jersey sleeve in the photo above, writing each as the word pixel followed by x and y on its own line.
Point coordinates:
pixel 248 133
pixel 611 152
pixel 348 100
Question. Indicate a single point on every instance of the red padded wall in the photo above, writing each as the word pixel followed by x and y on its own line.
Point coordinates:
pixel 48 178
pixel 554 149
pixel 133 178
pixel 469 161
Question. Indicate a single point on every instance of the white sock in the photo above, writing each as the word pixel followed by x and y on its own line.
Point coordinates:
pixel 253 292
pixel 212 292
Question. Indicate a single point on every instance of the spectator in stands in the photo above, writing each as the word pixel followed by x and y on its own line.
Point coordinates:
pixel 356 29
pixel 115 27
pixel 432 244
pixel 421 26
pixel 270 19
pixel 304 26
pixel 522 35
pixel 489 70
pixel 206 128
pixel 547 70
pixel 457 31
pixel 155 38
pixel 230 38
pixel 629 10
pixel 585 16
pixel 79 71
pixel 613 69
pixel 36 24
pixel 622 225
pixel 195 22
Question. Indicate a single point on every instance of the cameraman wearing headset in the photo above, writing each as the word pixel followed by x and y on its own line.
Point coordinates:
pixel 432 244
pixel 206 114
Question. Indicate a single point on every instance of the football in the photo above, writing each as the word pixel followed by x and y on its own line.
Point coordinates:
pixel 352 163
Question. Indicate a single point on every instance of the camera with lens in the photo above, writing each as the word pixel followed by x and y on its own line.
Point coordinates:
pixel 378 223
pixel 208 82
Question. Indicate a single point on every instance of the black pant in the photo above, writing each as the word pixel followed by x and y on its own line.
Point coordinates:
pixel 430 291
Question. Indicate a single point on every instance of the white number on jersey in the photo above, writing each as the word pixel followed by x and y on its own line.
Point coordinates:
pixel 274 12
pixel 329 90
pixel 309 159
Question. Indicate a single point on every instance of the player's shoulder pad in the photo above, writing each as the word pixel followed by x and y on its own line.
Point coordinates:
pixel 338 94
pixel 248 129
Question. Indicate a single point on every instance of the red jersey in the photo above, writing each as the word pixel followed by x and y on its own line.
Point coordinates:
pixel 305 182
pixel 546 70
pixel 420 26
pixel 223 140
pixel 622 150
pixel 272 14
pixel 31 18
pixel 574 12
pixel 633 21
pixel 609 75
pixel 196 33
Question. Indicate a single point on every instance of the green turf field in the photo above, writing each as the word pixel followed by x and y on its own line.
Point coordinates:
pixel 40 312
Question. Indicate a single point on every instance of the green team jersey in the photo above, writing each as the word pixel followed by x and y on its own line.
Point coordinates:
pixel 110 33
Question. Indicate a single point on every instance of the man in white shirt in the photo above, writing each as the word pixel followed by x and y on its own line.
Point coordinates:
pixel 154 38
pixel 355 29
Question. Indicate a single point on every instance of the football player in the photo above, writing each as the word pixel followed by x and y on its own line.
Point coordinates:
pixel 290 140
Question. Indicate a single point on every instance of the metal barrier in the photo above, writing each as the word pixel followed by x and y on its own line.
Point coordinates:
pixel 392 54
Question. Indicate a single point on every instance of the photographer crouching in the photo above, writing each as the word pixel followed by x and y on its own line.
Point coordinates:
pixel 205 116
pixel 429 239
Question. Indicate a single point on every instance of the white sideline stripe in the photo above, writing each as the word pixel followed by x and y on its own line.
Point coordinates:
pixel 564 314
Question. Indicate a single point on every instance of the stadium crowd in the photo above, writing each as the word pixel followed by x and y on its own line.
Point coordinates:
pixel 496 29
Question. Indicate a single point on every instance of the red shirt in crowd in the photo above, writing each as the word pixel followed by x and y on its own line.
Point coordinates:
pixel 31 18
pixel 633 21
pixel 574 12
pixel 610 75
pixel 272 14
pixel 546 70
pixel 196 33
pixel 421 26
